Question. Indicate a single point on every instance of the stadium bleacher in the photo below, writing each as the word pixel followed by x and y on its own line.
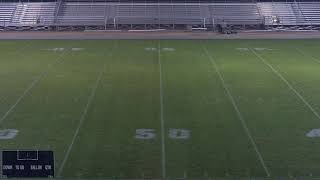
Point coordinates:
pixel 82 14
pixel 311 12
pixel 6 12
pixel 238 13
pixel 201 13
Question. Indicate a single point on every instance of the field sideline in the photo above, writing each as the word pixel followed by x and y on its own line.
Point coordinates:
pixel 165 108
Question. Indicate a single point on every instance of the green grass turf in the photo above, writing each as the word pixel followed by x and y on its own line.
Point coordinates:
pixel 247 121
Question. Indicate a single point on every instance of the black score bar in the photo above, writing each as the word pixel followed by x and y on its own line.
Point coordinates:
pixel 27 164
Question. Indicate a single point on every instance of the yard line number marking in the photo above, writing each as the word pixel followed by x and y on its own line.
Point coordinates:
pixel 177 134
pixel 236 108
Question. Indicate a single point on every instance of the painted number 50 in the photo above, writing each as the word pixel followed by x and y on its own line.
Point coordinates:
pixel 173 134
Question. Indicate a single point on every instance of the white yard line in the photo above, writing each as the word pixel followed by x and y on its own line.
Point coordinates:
pixel 82 118
pixel 236 108
pixel 163 148
pixel 30 86
pixel 287 83
pixel 308 55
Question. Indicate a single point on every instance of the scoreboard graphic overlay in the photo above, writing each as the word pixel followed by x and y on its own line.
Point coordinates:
pixel 27 164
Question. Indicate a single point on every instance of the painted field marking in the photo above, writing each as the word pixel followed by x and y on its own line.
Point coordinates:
pixel 77 49
pixel 27 44
pixel 145 134
pixel 163 149
pixel 308 55
pixel 8 133
pixel 263 49
pixel 287 83
pixel 84 113
pixel 176 134
pixel 31 85
pixel 168 49
pixel 236 108
pixel 242 49
pixel 54 49
pixel 179 134
pixel 82 118
pixel 313 133
pixel 165 49
pixel 150 49
pixel 60 49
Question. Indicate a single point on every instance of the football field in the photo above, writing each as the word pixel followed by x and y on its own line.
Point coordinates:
pixel 164 109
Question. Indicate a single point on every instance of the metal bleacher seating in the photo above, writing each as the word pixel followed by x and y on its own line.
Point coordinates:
pixel 38 13
pixel 6 12
pixel 311 12
pixel 71 13
pixel 238 13
pixel 282 10
pixel 164 13
pixel 119 12
pixel 27 13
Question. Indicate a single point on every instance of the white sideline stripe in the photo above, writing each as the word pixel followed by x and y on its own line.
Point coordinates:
pixel 82 118
pixel 308 55
pixel 163 148
pixel 31 85
pixel 287 83
pixel 235 106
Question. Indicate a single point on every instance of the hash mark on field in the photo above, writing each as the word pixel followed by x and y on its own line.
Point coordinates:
pixel 308 55
pixel 236 108
pixel 161 115
pixel 31 85
pixel 82 118
pixel 287 83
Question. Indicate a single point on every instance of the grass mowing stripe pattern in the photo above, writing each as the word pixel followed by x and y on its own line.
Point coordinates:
pixel 128 98
pixel 82 118
pixel 308 55
pixel 235 106
pixel 31 85
pixel 286 82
